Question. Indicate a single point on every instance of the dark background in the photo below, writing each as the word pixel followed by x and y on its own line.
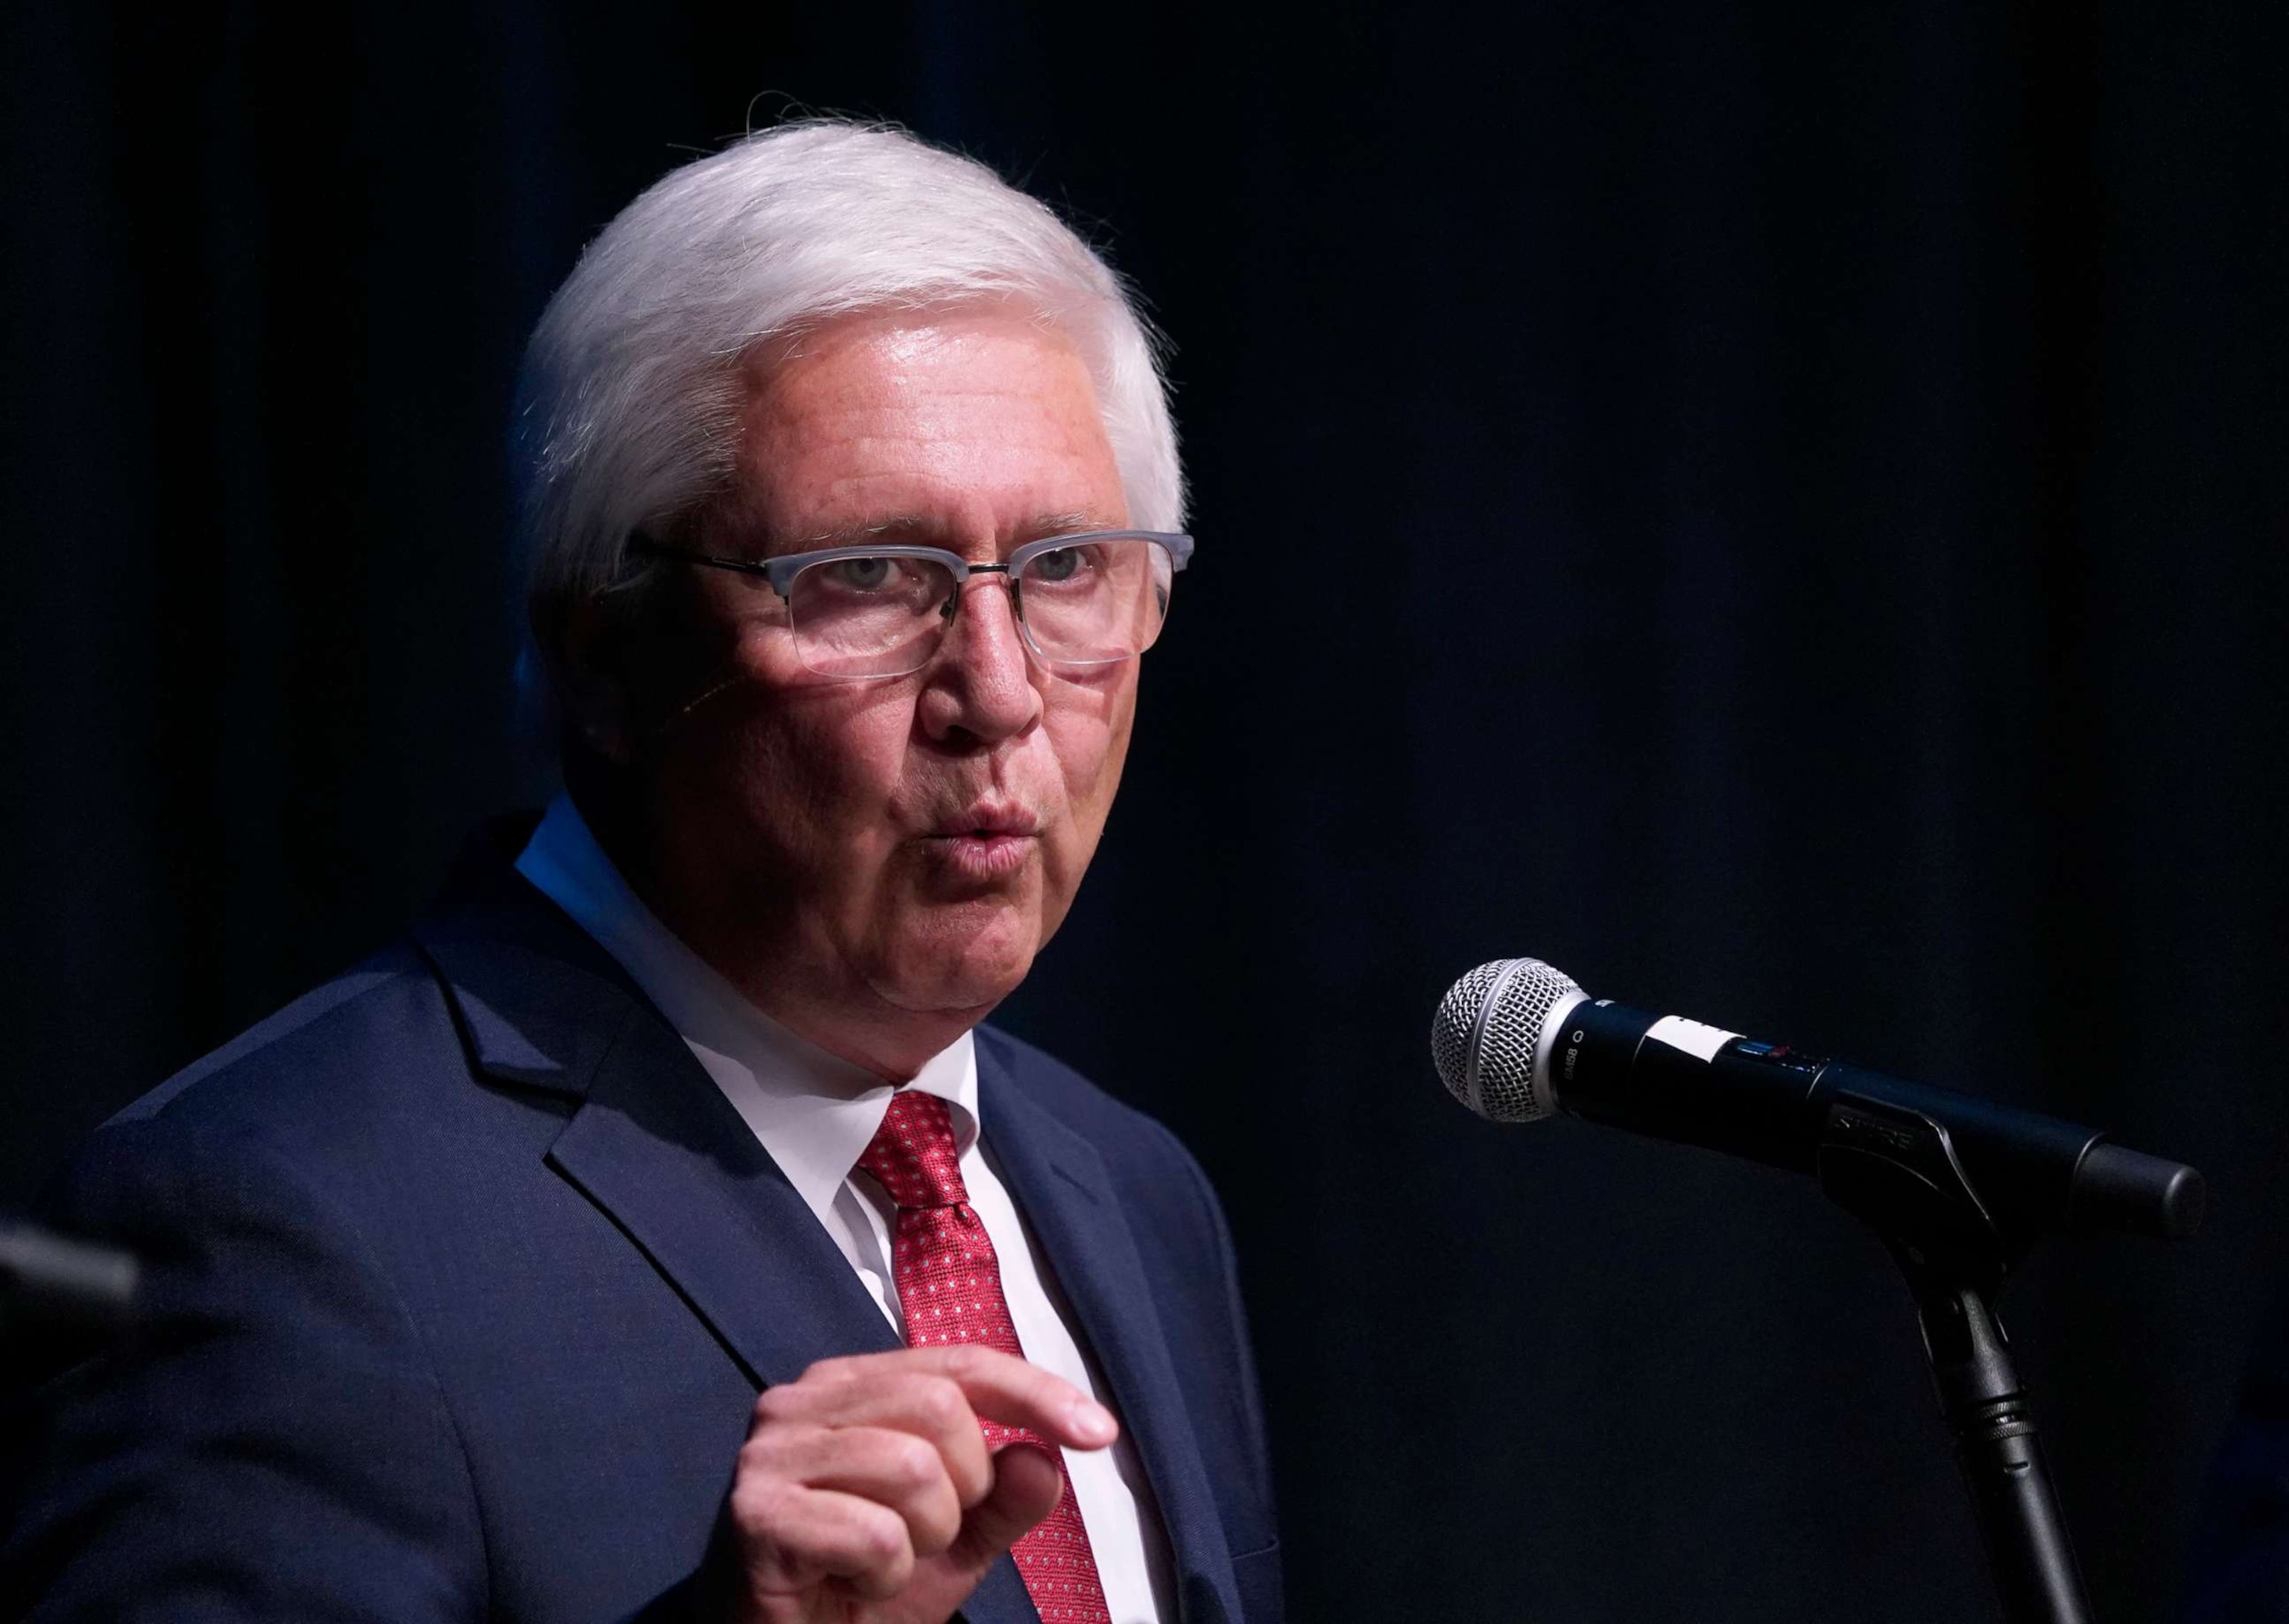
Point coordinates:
pixel 1777 509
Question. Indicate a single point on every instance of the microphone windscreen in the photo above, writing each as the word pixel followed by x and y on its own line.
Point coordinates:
pixel 1484 1036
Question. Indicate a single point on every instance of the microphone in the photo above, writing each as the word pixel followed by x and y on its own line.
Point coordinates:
pixel 1517 1040
pixel 54 1280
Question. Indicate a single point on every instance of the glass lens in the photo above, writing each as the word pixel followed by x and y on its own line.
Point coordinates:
pixel 869 617
pixel 1094 602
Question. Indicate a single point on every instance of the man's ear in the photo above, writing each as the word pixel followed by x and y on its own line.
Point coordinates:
pixel 588 665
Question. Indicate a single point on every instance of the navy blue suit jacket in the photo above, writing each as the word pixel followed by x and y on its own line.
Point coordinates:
pixel 463 1277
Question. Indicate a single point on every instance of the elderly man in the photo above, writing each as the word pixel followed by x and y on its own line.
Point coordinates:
pixel 657 1231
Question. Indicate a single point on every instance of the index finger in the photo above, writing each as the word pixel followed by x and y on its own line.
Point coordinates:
pixel 1000 1387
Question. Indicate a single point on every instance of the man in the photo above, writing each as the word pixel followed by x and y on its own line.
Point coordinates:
pixel 853 505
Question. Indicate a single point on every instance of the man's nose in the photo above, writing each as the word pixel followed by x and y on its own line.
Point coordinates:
pixel 982 682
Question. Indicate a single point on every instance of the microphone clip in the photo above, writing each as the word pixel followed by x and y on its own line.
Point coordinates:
pixel 1896 1170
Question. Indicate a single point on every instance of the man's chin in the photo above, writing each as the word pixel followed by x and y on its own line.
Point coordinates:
pixel 967 977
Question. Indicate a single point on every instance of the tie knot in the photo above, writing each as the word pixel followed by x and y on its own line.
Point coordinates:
pixel 913 1154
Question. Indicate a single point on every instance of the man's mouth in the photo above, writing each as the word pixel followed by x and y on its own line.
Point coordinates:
pixel 984 842
pixel 987 821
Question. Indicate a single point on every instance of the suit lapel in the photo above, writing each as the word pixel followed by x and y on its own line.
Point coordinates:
pixel 1060 1185
pixel 660 1151
pixel 654 1144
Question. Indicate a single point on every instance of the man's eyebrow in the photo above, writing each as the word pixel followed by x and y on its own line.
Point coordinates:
pixel 1062 524
pixel 905 527
pixel 858 534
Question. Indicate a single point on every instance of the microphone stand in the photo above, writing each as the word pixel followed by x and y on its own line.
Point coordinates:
pixel 1896 1171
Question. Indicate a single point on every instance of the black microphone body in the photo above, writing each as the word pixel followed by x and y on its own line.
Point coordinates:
pixel 1534 1042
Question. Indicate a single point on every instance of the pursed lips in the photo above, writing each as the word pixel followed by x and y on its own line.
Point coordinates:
pixel 987 820
pixel 986 843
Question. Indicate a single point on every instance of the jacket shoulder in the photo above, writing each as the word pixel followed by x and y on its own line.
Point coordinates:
pixel 1110 1123
pixel 384 1007
pixel 1152 1172
pixel 363 1090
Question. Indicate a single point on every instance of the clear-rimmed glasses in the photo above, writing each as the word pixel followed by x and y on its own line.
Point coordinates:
pixel 1088 600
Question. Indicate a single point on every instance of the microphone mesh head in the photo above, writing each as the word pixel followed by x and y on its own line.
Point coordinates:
pixel 1485 1034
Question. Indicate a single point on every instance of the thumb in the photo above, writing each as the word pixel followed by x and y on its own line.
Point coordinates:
pixel 1027 1483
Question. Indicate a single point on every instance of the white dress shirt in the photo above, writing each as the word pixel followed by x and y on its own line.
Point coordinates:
pixel 816 1115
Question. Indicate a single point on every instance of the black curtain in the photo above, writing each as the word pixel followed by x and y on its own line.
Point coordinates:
pixel 1777 510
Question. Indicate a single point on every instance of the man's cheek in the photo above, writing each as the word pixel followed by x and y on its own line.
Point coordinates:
pixel 1088 746
pixel 839 792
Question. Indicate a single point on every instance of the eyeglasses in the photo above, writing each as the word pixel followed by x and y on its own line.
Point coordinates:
pixel 1080 601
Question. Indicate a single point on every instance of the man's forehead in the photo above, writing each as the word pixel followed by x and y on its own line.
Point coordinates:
pixel 985 432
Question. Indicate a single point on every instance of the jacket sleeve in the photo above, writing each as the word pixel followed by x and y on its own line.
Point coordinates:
pixel 268 1440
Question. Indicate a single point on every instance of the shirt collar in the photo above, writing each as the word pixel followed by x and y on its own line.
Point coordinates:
pixel 814 1113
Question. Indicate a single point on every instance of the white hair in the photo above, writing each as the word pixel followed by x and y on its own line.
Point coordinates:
pixel 628 416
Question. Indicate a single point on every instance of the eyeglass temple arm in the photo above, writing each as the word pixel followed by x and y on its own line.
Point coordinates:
pixel 760 568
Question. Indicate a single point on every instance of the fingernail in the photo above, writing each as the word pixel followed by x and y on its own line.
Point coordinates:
pixel 1092 1423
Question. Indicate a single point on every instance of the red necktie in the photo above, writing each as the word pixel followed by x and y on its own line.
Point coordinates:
pixel 949 1291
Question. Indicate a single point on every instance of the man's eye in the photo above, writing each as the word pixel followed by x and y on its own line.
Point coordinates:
pixel 1058 564
pixel 862 574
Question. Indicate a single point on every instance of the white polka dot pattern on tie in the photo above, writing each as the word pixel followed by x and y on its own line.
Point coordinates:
pixel 941 1252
